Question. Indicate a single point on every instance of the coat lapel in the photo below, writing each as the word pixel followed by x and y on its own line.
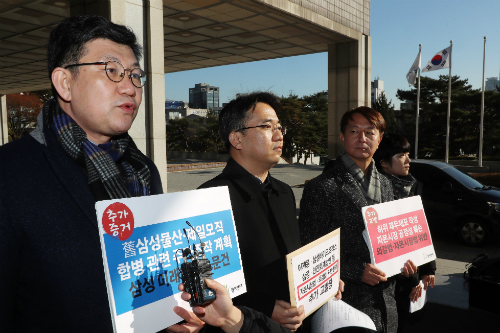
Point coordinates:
pixel 71 177
pixel 347 184
pixel 289 230
pixel 247 186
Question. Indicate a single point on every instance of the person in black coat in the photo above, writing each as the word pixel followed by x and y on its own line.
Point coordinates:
pixel 263 207
pixel 392 159
pixel 50 256
pixel 334 199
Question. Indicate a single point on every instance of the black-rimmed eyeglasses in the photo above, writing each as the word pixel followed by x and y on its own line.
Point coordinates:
pixel 116 72
pixel 268 127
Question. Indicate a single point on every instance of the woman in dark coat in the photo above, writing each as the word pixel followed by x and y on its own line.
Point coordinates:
pixel 393 161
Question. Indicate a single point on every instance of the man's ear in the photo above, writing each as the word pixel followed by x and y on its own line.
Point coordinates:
pixel 380 137
pixel 235 140
pixel 342 137
pixel 61 79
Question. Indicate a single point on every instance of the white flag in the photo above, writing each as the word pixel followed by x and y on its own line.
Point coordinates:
pixel 412 73
pixel 439 61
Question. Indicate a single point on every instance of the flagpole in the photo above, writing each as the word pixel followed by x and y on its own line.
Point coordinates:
pixel 448 112
pixel 482 112
pixel 418 101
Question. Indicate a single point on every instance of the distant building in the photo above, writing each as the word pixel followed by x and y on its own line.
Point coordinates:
pixel 170 105
pixel 204 96
pixel 491 83
pixel 377 89
pixel 408 106
pixel 184 112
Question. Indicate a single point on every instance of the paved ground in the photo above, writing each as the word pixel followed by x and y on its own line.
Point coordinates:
pixel 292 174
pixel 450 289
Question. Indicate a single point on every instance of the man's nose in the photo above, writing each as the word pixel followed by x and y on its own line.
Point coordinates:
pixel 278 135
pixel 126 87
pixel 361 137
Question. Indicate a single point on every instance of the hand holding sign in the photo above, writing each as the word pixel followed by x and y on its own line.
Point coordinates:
pixel 428 281
pixel 288 316
pixel 220 313
pixel 409 268
pixel 416 292
pixel 372 275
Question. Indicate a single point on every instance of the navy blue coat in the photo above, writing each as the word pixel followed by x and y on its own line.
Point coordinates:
pixel 51 268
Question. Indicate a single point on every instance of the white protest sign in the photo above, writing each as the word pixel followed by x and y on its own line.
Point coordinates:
pixel 336 314
pixel 313 272
pixel 140 238
pixel 398 231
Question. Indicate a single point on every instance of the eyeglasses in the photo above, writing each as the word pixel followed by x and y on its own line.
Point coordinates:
pixel 116 72
pixel 269 128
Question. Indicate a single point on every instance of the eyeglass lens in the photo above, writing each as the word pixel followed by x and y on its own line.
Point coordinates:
pixel 275 127
pixel 116 73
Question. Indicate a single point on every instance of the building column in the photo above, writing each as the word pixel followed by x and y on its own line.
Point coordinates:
pixel 4 130
pixel 157 138
pixel 349 74
pixel 145 18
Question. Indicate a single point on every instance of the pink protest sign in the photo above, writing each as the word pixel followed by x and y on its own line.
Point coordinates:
pixel 398 231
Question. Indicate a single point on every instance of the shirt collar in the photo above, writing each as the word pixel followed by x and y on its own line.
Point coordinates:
pixel 266 182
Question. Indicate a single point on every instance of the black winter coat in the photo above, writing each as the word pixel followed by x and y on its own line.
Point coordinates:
pixel 267 229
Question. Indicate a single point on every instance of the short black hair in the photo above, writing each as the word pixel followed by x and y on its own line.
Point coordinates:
pixel 390 145
pixel 234 115
pixel 373 116
pixel 67 41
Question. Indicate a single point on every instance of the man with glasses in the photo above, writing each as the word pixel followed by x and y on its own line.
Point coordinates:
pixel 52 273
pixel 263 207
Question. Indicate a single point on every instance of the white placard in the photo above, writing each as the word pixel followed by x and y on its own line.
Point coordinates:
pixel 314 272
pixel 397 231
pixel 139 240
pixel 419 304
pixel 336 314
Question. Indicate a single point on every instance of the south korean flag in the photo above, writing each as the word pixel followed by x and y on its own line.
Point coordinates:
pixel 439 61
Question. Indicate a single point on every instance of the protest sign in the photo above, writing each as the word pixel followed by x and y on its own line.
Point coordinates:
pixel 397 231
pixel 141 241
pixel 313 272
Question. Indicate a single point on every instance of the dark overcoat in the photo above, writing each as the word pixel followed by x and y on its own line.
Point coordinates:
pixel 51 267
pixel 334 200
pixel 267 229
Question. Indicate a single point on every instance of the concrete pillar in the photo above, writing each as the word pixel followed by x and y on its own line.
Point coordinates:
pixel 145 18
pixel 156 88
pixel 349 75
pixel 4 130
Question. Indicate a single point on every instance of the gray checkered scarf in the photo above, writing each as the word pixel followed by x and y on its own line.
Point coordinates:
pixel 114 169
pixel 369 184
pixel 402 185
